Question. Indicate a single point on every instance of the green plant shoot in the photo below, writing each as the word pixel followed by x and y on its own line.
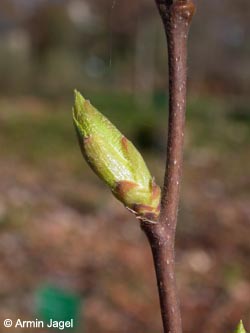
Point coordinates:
pixel 240 328
pixel 116 160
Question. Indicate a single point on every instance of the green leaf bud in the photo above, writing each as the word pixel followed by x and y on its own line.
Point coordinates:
pixel 240 328
pixel 116 160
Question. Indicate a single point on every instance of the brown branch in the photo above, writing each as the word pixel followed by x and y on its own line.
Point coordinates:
pixel 176 16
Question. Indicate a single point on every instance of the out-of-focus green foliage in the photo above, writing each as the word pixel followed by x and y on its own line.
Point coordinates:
pixel 48 47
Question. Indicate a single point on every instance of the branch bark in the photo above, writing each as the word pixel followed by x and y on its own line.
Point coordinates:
pixel 176 16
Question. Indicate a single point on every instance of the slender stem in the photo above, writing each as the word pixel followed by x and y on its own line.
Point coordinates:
pixel 176 20
pixel 176 16
pixel 162 246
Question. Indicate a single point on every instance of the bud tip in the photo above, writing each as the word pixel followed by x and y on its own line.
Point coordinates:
pixel 78 109
pixel 240 328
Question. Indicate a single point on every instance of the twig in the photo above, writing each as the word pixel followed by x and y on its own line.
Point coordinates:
pixel 176 16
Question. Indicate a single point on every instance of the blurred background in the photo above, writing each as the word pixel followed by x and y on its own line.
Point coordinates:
pixel 67 247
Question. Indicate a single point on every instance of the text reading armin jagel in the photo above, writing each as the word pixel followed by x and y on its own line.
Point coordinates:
pixel 61 325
